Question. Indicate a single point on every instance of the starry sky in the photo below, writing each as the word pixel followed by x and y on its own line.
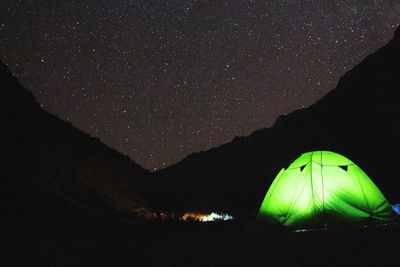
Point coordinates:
pixel 160 79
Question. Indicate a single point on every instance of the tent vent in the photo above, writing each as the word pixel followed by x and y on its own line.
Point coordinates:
pixel 302 168
pixel 344 168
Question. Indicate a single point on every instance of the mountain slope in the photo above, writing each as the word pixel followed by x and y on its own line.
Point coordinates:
pixel 51 170
pixel 359 119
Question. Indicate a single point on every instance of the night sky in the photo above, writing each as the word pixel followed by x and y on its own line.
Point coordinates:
pixel 158 80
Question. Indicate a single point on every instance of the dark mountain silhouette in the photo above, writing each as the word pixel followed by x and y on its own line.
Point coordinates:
pixel 359 119
pixel 52 172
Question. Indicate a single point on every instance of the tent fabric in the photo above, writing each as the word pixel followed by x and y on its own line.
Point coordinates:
pixel 323 188
pixel 396 208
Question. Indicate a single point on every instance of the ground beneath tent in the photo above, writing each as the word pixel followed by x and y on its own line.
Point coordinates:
pixel 211 244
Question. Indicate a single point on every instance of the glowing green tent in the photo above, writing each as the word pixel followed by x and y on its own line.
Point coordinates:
pixel 323 188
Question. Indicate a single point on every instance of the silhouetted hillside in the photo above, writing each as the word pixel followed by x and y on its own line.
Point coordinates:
pixel 359 119
pixel 51 171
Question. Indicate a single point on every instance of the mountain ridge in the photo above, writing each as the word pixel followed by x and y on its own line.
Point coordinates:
pixel 45 160
pixel 359 117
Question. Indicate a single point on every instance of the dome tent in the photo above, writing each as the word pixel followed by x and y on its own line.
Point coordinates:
pixel 323 188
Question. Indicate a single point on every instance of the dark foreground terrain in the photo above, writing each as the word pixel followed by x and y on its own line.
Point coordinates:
pixel 200 244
